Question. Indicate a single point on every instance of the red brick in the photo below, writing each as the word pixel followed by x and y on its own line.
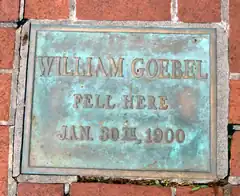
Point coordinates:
pixel 235 155
pixel 7 39
pixel 235 191
pixel 96 189
pixel 9 10
pixel 4 142
pixel 32 189
pixel 234 39
pixel 46 9
pixel 5 90
pixel 199 10
pixel 234 102
pixel 187 191
pixel 124 9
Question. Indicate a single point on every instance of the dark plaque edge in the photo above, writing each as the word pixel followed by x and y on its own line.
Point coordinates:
pixel 219 101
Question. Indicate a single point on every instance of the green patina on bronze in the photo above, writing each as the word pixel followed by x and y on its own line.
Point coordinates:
pixel 67 105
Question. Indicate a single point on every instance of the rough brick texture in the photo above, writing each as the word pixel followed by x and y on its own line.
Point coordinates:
pixel 5 90
pixel 235 191
pixel 46 9
pixel 30 189
pixel 90 189
pixel 234 41
pixel 7 39
pixel 187 191
pixel 199 10
pixel 234 102
pixel 4 141
pixel 9 10
pixel 235 155
pixel 123 9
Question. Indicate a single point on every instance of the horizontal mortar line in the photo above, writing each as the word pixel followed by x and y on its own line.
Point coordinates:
pixel 2 122
pixel 8 24
pixel 234 180
pixel 237 128
pixel 7 71
pixel 75 20
pixel 165 22
pixel 234 76
pixel 36 178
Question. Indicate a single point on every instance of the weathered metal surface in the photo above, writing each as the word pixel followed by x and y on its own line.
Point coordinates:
pixel 79 114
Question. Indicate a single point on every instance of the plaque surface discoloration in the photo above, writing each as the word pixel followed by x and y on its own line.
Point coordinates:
pixel 146 117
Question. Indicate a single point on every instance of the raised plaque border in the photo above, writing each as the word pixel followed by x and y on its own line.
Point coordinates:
pixel 26 169
pixel 219 150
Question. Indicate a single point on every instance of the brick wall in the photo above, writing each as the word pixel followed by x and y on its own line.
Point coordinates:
pixel 13 13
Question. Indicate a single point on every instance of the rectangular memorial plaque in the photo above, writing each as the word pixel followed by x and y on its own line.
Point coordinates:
pixel 120 102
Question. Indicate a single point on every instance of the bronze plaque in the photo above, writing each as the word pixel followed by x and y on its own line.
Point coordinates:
pixel 120 101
